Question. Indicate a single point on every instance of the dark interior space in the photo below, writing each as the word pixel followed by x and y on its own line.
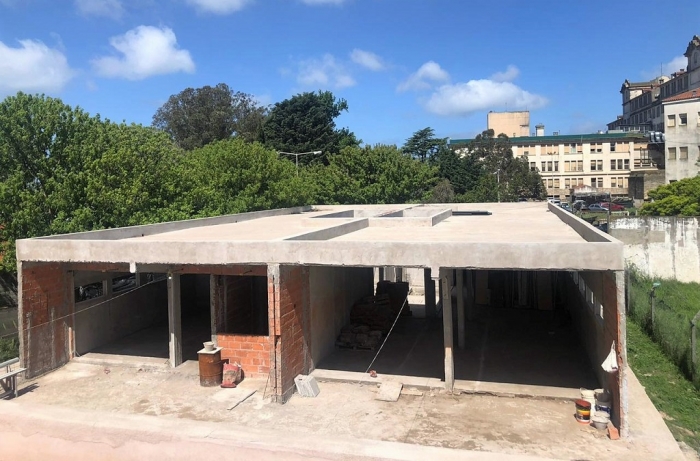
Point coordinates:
pixel 246 305
pixel 519 334
pixel 152 340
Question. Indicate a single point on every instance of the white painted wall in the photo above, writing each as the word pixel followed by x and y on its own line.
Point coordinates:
pixel 664 247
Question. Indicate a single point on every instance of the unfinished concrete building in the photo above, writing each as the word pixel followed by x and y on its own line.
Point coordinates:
pixel 536 294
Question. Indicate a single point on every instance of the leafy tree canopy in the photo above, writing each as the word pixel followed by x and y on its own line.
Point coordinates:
pixel 373 174
pixel 306 123
pixel 62 170
pixel 197 116
pixel 233 176
pixel 680 198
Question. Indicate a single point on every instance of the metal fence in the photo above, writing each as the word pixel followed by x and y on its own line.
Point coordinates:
pixel 673 328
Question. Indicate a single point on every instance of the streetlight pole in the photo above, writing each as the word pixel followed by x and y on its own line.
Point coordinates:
pixel 296 156
pixel 498 185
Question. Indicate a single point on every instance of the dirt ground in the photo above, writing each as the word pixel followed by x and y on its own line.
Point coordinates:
pixel 474 422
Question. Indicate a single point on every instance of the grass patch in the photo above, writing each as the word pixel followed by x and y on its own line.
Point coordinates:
pixel 670 392
pixel 676 305
pixel 9 348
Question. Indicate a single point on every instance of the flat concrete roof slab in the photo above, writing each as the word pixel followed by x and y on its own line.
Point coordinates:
pixel 527 235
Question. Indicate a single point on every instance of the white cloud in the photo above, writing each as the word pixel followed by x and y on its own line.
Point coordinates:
pixel 219 6
pixel 145 51
pixel 510 74
pixel 367 59
pixel 107 8
pixel 325 72
pixel 422 78
pixel 475 95
pixel 322 2
pixel 674 65
pixel 33 67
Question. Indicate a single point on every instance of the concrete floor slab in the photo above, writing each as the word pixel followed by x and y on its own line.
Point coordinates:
pixel 349 412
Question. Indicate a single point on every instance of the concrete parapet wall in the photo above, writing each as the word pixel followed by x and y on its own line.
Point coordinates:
pixel 665 247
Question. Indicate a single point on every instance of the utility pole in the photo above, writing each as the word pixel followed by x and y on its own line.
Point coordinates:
pixel 296 156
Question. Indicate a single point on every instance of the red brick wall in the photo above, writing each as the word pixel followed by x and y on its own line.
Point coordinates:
pixel 252 352
pixel 45 317
pixel 292 328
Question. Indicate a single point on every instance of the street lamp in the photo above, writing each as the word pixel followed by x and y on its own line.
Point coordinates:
pixel 296 156
pixel 498 184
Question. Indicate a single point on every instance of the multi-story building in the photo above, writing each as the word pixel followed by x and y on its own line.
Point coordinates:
pixel 510 123
pixel 600 160
pixel 642 102
pixel 682 132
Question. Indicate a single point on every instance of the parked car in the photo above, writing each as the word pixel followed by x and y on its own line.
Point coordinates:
pixel 580 205
pixel 596 207
pixel 567 207
pixel 613 206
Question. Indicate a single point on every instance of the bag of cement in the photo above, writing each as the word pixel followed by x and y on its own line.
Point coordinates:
pixel 232 374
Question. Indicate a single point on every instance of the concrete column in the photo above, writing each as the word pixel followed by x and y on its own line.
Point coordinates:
pixel 398 274
pixel 445 282
pixel 461 320
pixel 174 320
pixel 470 294
pixel 429 286
pixel 390 273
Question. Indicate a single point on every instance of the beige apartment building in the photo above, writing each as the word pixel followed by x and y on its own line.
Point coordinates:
pixel 603 161
pixel 510 123
pixel 682 133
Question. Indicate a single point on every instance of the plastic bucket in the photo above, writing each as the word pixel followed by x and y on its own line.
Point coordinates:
pixel 583 411
pixel 589 396
pixel 602 403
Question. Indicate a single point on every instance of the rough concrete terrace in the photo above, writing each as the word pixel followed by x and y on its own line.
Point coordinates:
pixel 515 235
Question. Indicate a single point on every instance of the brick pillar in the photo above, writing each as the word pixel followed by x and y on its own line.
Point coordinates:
pixel 289 327
pixel 45 316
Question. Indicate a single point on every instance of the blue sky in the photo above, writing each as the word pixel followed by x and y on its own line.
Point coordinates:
pixel 402 65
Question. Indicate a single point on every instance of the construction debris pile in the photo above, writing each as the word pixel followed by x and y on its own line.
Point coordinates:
pixel 371 317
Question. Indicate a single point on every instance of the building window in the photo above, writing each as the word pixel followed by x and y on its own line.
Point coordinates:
pixel 556 165
pixel 682 119
pixel 526 153
pixel 612 146
pixel 556 183
pixel 683 153
pixel 671 120
pixel 671 153
pixel 550 184
pixel 698 118
pixel 567 183
pixel 533 166
pixel 627 164
pixel 567 166
pixel 613 164
pixel 594 182
pixel 596 165
pixel 613 182
pixel 544 166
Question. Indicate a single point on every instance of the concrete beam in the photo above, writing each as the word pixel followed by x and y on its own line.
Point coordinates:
pixel 429 287
pixel 174 320
pixel 150 229
pixel 446 282
pixel 471 255
pixel 461 318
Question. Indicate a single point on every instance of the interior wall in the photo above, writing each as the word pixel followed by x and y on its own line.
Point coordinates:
pixel 595 293
pixel 194 294
pixel 333 291
pixel 98 322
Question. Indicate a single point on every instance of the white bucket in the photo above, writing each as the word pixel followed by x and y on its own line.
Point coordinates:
pixel 589 396
pixel 602 403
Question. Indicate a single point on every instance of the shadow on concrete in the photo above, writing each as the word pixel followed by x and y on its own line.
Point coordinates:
pixel 514 346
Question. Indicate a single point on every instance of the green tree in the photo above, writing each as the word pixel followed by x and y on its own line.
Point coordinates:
pixel 423 145
pixel 197 116
pixel 306 123
pixel 373 174
pixel 233 176
pixel 510 177
pixel 680 198
pixel 62 170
